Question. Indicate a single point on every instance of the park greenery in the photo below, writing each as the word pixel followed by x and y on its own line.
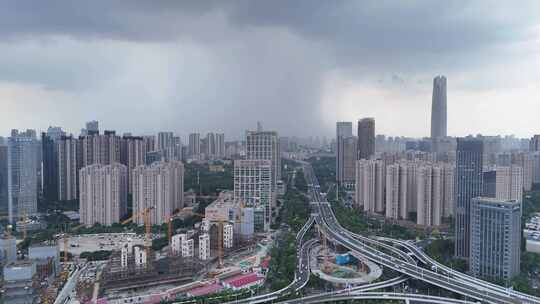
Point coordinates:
pixel 358 221
pixel 283 262
pixel 199 178
pixel 325 170
pixel 228 295
pixel 531 204
pixel 295 210
pixel 294 214
pixel 442 250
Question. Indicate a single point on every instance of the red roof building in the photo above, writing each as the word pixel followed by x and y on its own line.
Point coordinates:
pixel 202 291
pixel 266 262
pixel 243 281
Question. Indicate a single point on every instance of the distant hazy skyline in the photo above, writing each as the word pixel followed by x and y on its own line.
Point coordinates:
pixel 297 66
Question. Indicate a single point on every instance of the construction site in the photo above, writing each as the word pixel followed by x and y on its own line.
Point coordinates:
pixel 225 234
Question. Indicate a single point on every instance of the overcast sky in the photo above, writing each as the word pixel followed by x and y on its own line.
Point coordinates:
pixel 297 66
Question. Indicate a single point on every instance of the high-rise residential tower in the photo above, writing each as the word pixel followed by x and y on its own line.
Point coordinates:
pixel 160 187
pixel 370 185
pixel 99 149
pixel 468 185
pixel 366 138
pixel 343 130
pixel 66 161
pixel 438 108
pixel 396 191
pixel 102 194
pixel 194 148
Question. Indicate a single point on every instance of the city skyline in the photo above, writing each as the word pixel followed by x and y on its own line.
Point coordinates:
pixel 206 63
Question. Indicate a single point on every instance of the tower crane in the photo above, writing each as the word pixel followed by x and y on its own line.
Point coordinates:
pixel 148 228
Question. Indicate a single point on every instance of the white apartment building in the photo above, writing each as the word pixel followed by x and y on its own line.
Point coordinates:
pixel 103 194
pixel 140 256
pixel 204 247
pixel 133 154
pixel 159 187
pixel 187 248
pixel 176 243
pixel 370 185
pixel 100 149
pixel 253 185
pixel 228 236
pixel 396 191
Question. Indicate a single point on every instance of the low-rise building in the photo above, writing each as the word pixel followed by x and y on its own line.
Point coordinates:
pixel 18 287
pixel 243 281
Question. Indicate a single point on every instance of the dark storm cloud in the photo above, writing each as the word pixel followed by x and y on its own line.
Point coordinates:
pixel 269 57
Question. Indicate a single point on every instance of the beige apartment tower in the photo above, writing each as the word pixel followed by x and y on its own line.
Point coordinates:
pixel 103 194
pixel 158 187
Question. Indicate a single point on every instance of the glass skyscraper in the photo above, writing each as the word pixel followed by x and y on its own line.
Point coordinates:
pixel 468 185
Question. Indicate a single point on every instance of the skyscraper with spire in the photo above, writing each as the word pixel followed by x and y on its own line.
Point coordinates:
pixel 438 108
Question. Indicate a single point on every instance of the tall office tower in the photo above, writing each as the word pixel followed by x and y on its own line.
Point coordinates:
pixel 4 190
pixel 343 130
pixel 50 168
pixel 165 144
pixel 92 127
pixel 438 108
pixel 526 162
pixel 194 148
pixel 348 150
pixel 253 185
pixel 49 157
pixel 133 154
pixel 160 187
pixel 429 195
pixel 220 145
pixel 534 143
pixel 102 194
pixel 366 138
pixel 22 167
pixel 495 238
pixel 396 191
pixel 504 183
pixel 369 190
pixel 99 149
pixel 265 146
pixel 447 184
pixel 468 185
pixel 66 160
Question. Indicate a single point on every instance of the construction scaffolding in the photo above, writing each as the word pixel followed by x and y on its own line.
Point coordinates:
pixel 166 270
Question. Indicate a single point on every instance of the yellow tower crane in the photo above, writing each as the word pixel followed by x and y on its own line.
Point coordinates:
pixel 148 227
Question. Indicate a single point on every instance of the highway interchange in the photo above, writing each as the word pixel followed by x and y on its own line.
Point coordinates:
pixel 401 256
